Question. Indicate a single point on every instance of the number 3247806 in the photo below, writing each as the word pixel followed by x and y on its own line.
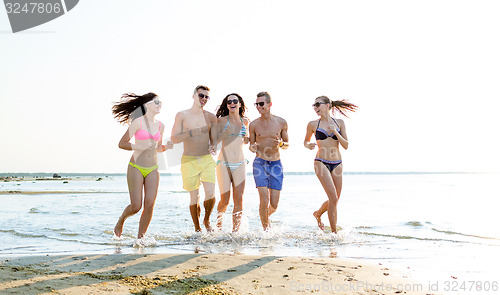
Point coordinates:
pixel 33 8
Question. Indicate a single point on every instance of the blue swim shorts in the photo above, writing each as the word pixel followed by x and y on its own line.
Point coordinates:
pixel 268 173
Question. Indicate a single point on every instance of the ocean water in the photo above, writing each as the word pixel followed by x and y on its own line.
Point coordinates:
pixel 435 226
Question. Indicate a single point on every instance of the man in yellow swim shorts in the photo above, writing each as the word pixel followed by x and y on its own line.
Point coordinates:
pixel 193 127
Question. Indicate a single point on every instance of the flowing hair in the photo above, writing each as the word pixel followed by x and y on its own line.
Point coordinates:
pixel 339 105
pixel 223 111
pixel 131 106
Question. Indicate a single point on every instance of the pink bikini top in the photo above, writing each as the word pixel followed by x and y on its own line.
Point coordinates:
pixel 142 134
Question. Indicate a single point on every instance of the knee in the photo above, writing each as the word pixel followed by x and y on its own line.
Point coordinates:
pixel 332 198
pixel 224 200
pixel 135 208
pixel 149 205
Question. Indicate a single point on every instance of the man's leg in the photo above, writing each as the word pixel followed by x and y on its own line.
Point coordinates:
pixel 264 206
pixel 274 199
pixel 194 209
pixel 209 203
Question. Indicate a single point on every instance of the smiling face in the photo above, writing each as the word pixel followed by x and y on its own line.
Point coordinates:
pixel 201 96
pixel 233 104
pixel 262 104
pixel 320 107
pixel 154 105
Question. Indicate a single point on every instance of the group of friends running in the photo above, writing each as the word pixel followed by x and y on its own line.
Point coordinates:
pixel 201 131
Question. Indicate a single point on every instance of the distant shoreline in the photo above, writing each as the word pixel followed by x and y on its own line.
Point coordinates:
pixel 42 176
pixel 17 192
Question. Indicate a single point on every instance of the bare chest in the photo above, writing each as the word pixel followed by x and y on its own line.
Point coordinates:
pixel 268 130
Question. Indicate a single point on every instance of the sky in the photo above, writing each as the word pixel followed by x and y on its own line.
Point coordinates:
pixel 424 74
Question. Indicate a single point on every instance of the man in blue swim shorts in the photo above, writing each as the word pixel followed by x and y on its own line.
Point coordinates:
pixel 267 134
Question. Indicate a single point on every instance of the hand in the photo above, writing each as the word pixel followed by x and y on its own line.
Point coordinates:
pixel 253 148
pixel 311 145
pixel 277 141
pixel 168 146
pixel 333 129
pixel 195 132
pixel 212 149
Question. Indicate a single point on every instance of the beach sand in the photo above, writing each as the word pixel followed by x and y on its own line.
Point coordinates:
pixel 198 274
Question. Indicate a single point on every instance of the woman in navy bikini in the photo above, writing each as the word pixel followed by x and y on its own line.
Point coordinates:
pixel 231 164
pixel 329 133
pixel 142 174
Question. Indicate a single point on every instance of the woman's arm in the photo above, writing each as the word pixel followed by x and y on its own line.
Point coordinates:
pixel 309 133
pixel 161 148
pixel 246 139
pixel 128 146
pixel 125 140
pixel 342 135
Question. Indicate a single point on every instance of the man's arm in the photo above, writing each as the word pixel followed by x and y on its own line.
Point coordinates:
pixel 253 144
pixel 177 135
pixel 284 135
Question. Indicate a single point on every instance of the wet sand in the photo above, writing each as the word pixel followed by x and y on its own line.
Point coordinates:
pixel 199 274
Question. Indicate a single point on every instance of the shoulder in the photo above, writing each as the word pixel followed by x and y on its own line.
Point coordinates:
pixel 210 116
pixel 135 124
pixel 313 123
pixel 222 119
pixel 340 122
pixel 254 123
pixel 280 120
pixel 181 114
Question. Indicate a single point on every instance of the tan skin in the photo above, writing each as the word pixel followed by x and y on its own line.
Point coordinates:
pixel 231 151
pixel 328 150
pixel 144 155
pixel 267 134
pixel 193 127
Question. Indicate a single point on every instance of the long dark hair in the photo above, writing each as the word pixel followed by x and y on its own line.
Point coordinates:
pixel 222 110
pixel 339 105
pixel 131 106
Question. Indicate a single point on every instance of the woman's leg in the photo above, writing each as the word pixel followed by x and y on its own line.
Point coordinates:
pixel 326 181
pixel 224 181
pixel 337 180
pixel 151 183
pixel 239 177
pixel 135 182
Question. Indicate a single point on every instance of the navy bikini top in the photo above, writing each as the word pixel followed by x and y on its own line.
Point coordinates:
pixel 322 134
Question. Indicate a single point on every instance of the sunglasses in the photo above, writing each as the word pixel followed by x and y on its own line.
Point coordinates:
pixel 262 103
pixel 201 95
pixel 156 101
pixel 316 105
pixel 231 101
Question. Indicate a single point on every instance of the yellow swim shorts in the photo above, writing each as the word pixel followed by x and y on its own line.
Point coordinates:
pixel 195 169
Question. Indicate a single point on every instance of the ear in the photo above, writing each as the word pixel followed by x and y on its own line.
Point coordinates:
pixel 271 104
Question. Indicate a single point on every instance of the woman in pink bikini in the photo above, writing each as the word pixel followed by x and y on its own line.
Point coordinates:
pixel 142 174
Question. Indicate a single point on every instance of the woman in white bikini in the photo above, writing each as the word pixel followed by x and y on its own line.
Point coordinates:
pixel 231 164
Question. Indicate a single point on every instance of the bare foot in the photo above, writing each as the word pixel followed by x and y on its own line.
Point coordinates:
pixel 119 227
pixel 318 219
pixel 219 220
pixel 209 228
